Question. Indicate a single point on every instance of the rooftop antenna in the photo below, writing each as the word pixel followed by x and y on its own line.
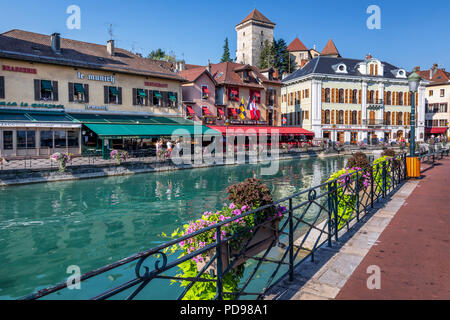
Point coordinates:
pixel 110 31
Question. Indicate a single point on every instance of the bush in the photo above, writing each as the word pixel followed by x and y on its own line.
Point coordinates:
pixel 388 153
pixel 359 160
pixel 251 193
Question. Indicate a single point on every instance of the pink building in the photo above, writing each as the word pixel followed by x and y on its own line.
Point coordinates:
pixel 199 96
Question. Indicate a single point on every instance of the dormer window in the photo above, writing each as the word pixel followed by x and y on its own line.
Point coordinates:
pixel 399 73
pixel 245 75
pixel 340 68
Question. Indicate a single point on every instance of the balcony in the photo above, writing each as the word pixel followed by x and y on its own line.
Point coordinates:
pixel 381 123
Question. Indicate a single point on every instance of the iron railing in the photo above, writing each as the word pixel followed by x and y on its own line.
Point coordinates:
pixel 314 218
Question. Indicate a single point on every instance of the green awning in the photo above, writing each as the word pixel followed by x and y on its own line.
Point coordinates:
pixel 141 93
pixel 115 131
pixel 158 94
pixel 46 85
pixel 172 97
pixel 114 91
pixel 79 88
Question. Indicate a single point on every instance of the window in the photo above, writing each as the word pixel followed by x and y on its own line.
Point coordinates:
pixel 233 94
pixel 157 98
pixel 354 117
pixel 400 99
pixel 46 90
pixel 371 96
pixel 255 95
pixel 72 139
pixel 340 117
pixel 46 139
pixel 442 123
pixel 140 97
pixel 389 98
pixel 205 92
pixel 7 140
pixel 26 139
pixel 2 87
pixel 442 93
pixel 60 139
pixel 113 95
pixel 341 96
pixel 431 93
pixel 327 95
pixel 172 99
pixel 355 96
pixel 327 117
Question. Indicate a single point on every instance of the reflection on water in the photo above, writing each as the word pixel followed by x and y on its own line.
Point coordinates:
pixel 45 228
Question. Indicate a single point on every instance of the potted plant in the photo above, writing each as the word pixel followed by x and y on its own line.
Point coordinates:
pixel 62 159
pixel 120 156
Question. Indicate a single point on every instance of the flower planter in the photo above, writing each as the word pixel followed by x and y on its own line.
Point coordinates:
pixel 261 241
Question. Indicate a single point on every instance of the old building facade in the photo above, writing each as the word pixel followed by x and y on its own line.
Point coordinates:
pixel 351 100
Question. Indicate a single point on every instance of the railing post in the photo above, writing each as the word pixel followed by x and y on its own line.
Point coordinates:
pixel 384 173
pixel 291 242
pixel 405 172
pixel 219 283
pixel 330 212
pixel 357 195
pixel 336 211
pixel 374 172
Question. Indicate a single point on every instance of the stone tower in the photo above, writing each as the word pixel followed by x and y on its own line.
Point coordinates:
pixel 252 32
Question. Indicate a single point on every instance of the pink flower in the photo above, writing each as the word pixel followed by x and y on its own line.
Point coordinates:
pixel 232 206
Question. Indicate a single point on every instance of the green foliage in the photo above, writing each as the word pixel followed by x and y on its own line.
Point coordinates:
pixel 282 57
pixel 226 56
pixel 389 153
pixel 160 54
pixel 359 160
pixel 378 173
pixel 268 56
pixel 251 193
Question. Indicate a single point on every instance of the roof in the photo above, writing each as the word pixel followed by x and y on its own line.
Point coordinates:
pixel 225 73
pixel 296 45
pixel 192 75
pixel 330 49
pixel 192 66
pixel 29 46
pixel 255 15
pixel 324 65
pixel 440 76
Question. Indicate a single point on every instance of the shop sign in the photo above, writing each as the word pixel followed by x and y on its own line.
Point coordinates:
pixel 156 84
pixel 98 108
pixel 95 77
pixel 255 123
pixel 33 105
pixel 19 69
pixel 39 125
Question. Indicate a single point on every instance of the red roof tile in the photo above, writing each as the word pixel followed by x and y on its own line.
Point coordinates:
pixel 297 45
pixel 19 44
pixel 330 49
pixel 256 16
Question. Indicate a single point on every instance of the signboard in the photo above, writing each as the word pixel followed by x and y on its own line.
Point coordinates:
pixel 156 84
pixel 33 105
pixel 39 125
pixel 101 108
pixel 19 69
pixel 95 77
pixel 249 122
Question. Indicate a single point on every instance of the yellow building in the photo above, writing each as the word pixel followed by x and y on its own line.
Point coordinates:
pixel 54 90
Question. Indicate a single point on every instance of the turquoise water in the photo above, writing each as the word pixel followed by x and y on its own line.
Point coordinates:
pixel 45 228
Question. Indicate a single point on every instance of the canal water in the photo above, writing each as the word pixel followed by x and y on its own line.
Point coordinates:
pixel 45 228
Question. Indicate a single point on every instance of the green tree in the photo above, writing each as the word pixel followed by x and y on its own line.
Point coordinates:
pixel 226 57
pixel 282 56
pixel 268 56
pixel 157 54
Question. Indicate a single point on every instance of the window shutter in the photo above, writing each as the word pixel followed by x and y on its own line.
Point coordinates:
pixel 120 95
pixel 346 117
pixel 150 97
pixel 377 96
pixel 359 117
pixel 2 87
pixel 134 97
pixel 368 96
pixel 360 96
pixel 323 116
pixel 346 96
pixel 384 97
pixel 165 96
pixel 146 97
pixel 332 117
pixel 86 93
pixel 71 90
pixel 55 91
pixel 106 94
pixel 393 119
pixel 37 90
pixel 323 94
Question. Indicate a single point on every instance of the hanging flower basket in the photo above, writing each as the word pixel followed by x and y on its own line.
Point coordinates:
pixel 62 159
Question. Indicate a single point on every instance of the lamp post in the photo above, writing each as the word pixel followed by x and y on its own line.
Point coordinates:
pixel 413 163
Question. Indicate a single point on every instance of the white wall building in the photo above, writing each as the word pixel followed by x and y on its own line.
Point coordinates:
pixel 351 100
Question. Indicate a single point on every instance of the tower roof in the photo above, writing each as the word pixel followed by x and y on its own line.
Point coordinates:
pixel 255 15
pixel 297 45
pixel 330 49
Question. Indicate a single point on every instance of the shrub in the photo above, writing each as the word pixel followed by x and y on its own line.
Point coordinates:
pixel 251 193
pixel 388 153
pixel 359 160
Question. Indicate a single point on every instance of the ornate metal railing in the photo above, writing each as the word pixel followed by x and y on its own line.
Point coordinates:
pixel 313 218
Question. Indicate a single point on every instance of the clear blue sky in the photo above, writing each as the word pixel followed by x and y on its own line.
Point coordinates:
pixel 413 32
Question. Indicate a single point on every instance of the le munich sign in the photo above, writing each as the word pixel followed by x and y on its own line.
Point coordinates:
pixel 95 77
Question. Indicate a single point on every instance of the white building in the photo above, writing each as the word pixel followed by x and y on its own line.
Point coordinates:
pixel 351 100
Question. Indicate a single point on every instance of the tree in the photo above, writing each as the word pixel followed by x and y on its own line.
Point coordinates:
pixel 226 57
pixel 158 54
pixel 268 56
pixel 282 57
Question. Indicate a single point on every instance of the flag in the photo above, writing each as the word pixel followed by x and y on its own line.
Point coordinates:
pixel 251 107
pixel 242 113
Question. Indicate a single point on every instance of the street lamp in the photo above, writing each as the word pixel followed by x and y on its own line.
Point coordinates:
pixel 413 163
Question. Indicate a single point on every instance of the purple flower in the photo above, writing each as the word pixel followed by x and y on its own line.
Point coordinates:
pixel 232 206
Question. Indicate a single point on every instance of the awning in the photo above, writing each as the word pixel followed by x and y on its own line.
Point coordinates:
pixel 172 97
pixel 114 91
pixel 190 111
pixel 117 131
pixel 157 94
pixel 436 130
pixel 284 131
pixel 205 90
pixel 234 91
pixel 206 111
pixel 221 111
pixel 234 112
pixel 141 93
pixel 79 88
pixel 257 94
pixel 46 85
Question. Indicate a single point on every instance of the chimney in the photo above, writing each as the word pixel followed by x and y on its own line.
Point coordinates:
pixel 180 66
pixel 368 56
pixel 433 70
pixel 56 43
pixel 209 66
pixel 110 47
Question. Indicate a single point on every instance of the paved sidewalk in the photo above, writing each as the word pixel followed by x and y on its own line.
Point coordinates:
pixel 413 252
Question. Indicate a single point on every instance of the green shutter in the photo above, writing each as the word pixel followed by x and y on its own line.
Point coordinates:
pixel 172 97
pixel 46 85
pixel 158 94
pixel 114 91
pixel 141 93
pixel 79 88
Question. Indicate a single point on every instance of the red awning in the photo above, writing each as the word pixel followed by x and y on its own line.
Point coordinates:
pixel 205 90
pixel 221 111
pixel 190 111
pixel 284 131
pixel 206 111
pixel 234 112
pixel 436 130
pixel 257 94
pixel 235 92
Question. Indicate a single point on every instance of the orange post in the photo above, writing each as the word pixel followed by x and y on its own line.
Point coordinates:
pixel 413 167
